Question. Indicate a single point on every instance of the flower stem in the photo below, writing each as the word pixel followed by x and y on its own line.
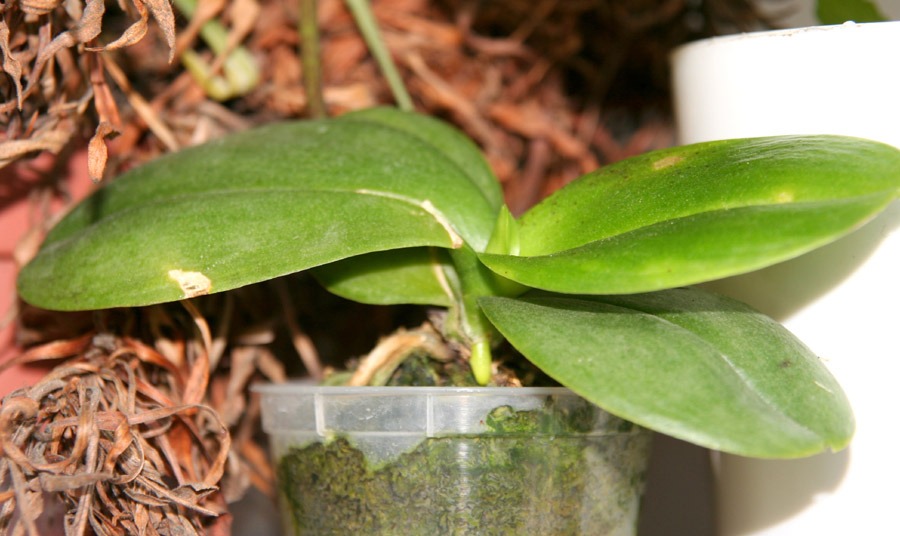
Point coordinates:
pixel 312 64
pixel 368 27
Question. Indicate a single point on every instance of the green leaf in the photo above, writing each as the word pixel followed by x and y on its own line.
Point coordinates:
pixel 700 212
pixel 448 141
pixel 414 275
pixel 505 237
pixel 692 249
pixel 231 238
pixel 411 275
pixel 684 362
pixel 840 11
pixel 260 204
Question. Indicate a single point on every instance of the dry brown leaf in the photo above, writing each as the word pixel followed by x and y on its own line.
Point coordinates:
pixel 104 102
pixel 103 477
pixel 52 141
pixel 11 65
pixel 198 377
pixel 162 496
pixel 85 30
pixel 162 12
pixel 39 7
pixel 24 502
pixel 243 365
pixel 141 106
pixel 150 356
pixel 133 33
pixel 263 475
pixel 53 483
pixel 302 343
pixel 97 150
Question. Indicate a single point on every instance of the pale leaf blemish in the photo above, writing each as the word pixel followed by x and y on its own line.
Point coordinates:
pixel 823 387
pixel 193 284
pixel 784 197
pixel 668 161
pixel 428 207
pixel 455 239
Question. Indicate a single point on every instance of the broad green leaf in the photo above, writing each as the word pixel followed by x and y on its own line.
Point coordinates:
pixel 685 362
pixel 633 226
pixel 448 141
pixel 413 275
pixel 689 250
pixel 146 254
pixel 410 276
pixel 706 177
pixel 256 205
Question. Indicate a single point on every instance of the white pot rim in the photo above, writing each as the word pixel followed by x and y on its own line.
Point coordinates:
pixel 848 28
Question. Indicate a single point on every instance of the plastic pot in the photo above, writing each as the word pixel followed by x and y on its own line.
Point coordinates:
pixel 435 460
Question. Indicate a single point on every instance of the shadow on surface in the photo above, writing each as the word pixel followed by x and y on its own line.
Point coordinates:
pixel 679 496
pixel 760 493
pixel 783 289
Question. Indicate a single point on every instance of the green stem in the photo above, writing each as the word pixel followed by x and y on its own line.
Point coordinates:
pixel 368 27
pixel 474 280
pixel 241 72
pixel 480 361
pixel 310 54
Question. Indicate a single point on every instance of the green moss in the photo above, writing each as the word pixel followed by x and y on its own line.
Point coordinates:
pixel 529 475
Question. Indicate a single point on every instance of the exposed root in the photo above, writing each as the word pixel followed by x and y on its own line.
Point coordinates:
pixel 393 349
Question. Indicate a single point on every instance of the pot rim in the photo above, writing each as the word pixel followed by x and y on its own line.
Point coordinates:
pixel 849 27
pixel 292 388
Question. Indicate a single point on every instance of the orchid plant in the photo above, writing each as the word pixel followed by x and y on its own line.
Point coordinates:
pixel 390 207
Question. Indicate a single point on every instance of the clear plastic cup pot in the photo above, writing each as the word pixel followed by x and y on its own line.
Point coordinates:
pixel 437 460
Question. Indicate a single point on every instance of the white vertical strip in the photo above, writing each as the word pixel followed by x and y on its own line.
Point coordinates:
pixel 320 413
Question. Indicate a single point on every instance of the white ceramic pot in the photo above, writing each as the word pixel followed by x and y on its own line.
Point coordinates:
pixel 840 300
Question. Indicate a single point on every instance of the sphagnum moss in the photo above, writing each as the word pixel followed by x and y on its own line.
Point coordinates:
pixel 531 473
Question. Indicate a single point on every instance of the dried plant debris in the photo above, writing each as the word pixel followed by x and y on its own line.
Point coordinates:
pixel 538 84
pixel 119 434
pixel 52 70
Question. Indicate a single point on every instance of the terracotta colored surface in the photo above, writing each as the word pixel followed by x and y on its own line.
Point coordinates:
pixel 16 219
